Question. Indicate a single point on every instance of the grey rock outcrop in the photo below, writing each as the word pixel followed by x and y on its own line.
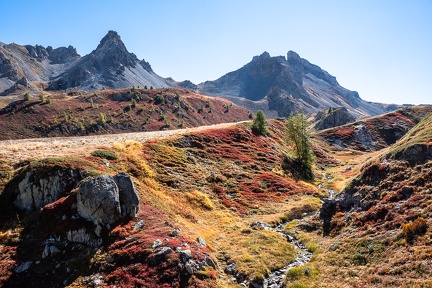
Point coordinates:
pixel 332 117
pixel 36 64
pixel 22 85
pixel 33 190
pixel 106 199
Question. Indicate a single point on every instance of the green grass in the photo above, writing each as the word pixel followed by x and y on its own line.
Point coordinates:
pixel 106 154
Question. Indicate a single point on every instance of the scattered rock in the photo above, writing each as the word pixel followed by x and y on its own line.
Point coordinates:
pixel 156 243
pixel 185 255
pixel 164 251
pixel 175 232
pixel 81 236
pixel 139 225
pixel 191 267
pixel 98 230
pixel 231 269
pixel 201 241
pixel 23 267
pixel 209 261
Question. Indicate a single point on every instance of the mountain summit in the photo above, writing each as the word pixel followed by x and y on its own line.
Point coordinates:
pixel 287 85
pixel 109 65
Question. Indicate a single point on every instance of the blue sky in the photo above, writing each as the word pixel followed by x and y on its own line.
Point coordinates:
pixel 382 49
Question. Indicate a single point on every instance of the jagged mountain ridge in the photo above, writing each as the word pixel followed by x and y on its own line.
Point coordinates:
pixel 31 67
pixel 110 65
pixel 277 85
pixel 288 85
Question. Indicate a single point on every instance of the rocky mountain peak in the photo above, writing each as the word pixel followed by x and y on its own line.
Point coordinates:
pixel 293 57
pixel 264 55
pixel 112 52
pixel 110 39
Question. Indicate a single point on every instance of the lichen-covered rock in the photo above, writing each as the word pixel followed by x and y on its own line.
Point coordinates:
pixel 98 200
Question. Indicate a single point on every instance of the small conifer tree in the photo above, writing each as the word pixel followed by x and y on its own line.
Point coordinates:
pixel 259 123
pixel 297 134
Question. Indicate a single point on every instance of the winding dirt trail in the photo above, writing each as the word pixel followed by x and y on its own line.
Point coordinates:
pixel 17 150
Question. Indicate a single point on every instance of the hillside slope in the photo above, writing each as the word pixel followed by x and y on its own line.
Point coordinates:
pixel 381 220
pixel 206 201
pixel 114 111
pixel 373 134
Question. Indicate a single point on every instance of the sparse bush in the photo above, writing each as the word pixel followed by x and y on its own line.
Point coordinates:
pixel 159 99
pixel 102 118
pixel 42 97
pixel 133 103
pixel 359 259
pixel 311 247
pixel 201 108
pixel 259 123
pixel 48 100
pixel 27 97
pixel 295 273
pixel 92 103
pixel 109 155
pixel 413 229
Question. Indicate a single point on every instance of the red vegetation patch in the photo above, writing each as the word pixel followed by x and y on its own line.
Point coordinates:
pixel 239 165
pixel 115 111
pixel 7 264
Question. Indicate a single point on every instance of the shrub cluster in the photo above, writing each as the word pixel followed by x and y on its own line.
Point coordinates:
pixel 109 155
pixel 414 229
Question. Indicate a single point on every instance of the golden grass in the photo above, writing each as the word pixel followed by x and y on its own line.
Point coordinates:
pixel 199 200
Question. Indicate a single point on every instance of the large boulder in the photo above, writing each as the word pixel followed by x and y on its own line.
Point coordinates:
pixel 106 199
pixel 129 199
pixel 98 200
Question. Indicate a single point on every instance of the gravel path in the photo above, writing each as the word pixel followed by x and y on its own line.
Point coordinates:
pixel 18 150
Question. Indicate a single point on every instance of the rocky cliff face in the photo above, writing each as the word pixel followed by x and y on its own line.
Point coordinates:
pixel 288 85
pixel 332 117
pixel 30 68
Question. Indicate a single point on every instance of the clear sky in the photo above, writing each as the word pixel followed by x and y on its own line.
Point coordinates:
pixel 380 48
